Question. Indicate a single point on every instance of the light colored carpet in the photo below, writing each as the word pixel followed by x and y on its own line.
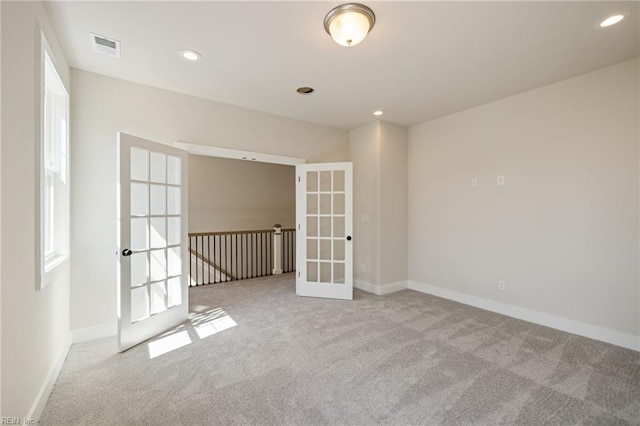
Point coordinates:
pixel 404 358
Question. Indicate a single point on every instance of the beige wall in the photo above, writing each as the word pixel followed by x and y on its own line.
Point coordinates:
pixel 379 155
pixel 393 203
pixel 364 145
pixel 0 211
pixel 236 195
pixel 563 231
pixel 102 106
pixel 35 324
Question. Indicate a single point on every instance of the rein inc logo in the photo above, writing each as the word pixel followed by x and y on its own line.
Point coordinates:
pixel 17 421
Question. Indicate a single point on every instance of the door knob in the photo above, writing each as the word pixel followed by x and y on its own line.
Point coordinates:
pixel 126 252
pixel 348 237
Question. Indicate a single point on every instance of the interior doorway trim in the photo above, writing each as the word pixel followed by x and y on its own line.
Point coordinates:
pixel 214 151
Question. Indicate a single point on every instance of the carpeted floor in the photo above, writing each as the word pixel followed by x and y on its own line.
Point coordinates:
pixel 404 358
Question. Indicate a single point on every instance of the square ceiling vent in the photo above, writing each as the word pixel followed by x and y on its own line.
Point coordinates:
pixel 105 45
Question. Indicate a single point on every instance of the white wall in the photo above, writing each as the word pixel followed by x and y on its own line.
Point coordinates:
pixel 236 195
pixel 102 106
pixel 35 324
pixel 563 231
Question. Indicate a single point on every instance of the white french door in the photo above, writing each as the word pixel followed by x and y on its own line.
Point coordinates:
pixel 324 209
pixel 153 266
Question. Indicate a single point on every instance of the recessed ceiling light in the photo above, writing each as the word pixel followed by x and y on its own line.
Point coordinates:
pixel 378 112
pixel 190 55
pixel 305 90
pixel 612 19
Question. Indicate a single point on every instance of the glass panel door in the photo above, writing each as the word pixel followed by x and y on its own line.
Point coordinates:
pixel 153 278
pixel 324 210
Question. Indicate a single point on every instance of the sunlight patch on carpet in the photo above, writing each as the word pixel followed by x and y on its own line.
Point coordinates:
pixel 168 343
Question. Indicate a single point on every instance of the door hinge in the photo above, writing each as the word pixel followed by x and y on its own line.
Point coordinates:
pixel 298 178
pixel 298 227
pixel 298 274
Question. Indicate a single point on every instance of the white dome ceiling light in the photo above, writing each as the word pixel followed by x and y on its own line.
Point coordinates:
pixel 349 24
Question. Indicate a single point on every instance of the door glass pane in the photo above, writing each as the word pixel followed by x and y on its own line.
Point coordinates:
pixel 139 234
pixel 173 231
pixel 312 181
pixel 338 203
pixel 174 292
pixel 158 199
pixel 338 180
pixel 325 181
pixel 338 227
pixel 338 249
pixel 325 272
pixel 139 303
pixel 158 232
pixel 158 293
pixel 139 269
pixel 338 273
pixel 312 271
pixel 325 204
pixel 139 164
pixel 312 226
pixel 175 261
pixel 158 265
pixel 158 169
pixel 325 249
pixel 173 170
pixel 312 248
pixel 139 199
pixel 312 204
pixel 173 200
pixel 325 226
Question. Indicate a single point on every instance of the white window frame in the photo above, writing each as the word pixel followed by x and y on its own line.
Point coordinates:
pixel 53 171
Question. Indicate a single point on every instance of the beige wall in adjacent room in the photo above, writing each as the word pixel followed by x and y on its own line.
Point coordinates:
pixel 35 323
pixel 102 106
pixel 236 195
pixel 563 230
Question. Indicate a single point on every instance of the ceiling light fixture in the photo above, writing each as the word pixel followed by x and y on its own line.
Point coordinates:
pixel 190 55
pixel 613 19
pixel 305 90
pixel 349 24
pixel 378 112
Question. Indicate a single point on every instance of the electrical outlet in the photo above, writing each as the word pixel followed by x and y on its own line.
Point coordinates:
pixel 502 285
pixel 500 180
pixel 363 268
pixel 474 182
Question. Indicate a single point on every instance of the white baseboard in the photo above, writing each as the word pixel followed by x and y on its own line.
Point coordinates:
pixel 617 338
pixel 94 333
pixel 45 390
pixel 380 290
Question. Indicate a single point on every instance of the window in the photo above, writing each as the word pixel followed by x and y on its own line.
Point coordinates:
pixel 54 170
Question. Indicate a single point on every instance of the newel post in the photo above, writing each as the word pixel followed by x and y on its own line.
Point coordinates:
pixel 277 249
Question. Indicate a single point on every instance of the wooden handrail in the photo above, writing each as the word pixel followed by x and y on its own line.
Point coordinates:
pixel 213 265
pixel 205 234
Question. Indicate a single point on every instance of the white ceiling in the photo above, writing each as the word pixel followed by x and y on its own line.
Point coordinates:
pixel 422 60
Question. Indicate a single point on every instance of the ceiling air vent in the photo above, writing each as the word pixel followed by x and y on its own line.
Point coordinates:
pixel 105 45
